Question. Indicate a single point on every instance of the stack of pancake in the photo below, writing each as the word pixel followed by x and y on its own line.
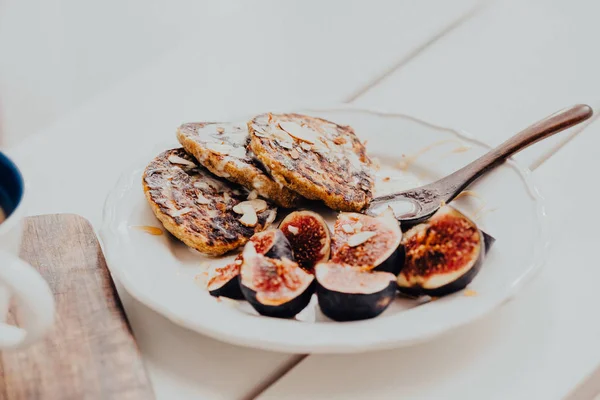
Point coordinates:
pixel 227 180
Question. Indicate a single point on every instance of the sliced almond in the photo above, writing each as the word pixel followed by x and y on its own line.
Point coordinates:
pixel 305 146
pixel 293 229
pixel 294 154
pixel 257 205
pixel 360 238
pixel 249 217
pixel 202 200
pixel 358 226
pixel 226 197
pixel 180 212
pixel 304 134
pixel 347 228
pixel 271 217
pixel 201 185
pixel 252 195
pixel 285 145
pixel 258 129
pixel 173 159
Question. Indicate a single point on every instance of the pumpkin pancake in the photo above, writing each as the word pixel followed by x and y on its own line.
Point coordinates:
pixel 222 149
pixel 205 212
pixel 314 157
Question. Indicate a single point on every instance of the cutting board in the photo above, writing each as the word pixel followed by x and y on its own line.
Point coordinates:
pixel 91 352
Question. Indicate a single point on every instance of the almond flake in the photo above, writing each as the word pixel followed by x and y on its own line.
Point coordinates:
pixel 360 238
pixel 179 213
pixel 271 217
pixel 285 145
pixel 305 146
pixel 294 154
pixel 347 228
pixel 298 132
pixel 258 129
pixel 358 226
pixel 173 159
pixel 202 200
pixel 249 217
pixel 260 135
pixel 201 185
pixel 252 195
pixel 257 205
pixel 293 229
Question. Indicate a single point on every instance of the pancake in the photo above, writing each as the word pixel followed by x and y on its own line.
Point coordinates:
pixel 314 157
pixel 205 212
pixel 222 149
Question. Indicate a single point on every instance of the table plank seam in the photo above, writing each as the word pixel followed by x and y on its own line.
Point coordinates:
pixel 539 161
pixel 415 53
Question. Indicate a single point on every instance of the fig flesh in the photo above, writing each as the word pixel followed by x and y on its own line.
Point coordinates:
pixel 347 293
pixel 369 242
pixel 275 288
pixel 224 282
pixel 272 243
pixel 443 254
pixel 309 237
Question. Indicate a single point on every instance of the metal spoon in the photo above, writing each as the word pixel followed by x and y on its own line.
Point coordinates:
pixel 416 205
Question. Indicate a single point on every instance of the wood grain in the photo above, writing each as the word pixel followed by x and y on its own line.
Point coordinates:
pixel 90 353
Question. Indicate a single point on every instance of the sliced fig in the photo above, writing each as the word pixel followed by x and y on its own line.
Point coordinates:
pixel 347 293
pixel 272 243
pixel 369 242
pixel 309 236
pixel 224 282
pixel 443 254
pixel 275 288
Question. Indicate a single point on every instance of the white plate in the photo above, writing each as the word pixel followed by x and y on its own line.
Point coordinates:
pixel 160 271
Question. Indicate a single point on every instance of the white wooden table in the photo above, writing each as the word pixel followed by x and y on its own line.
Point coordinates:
pixel 489 69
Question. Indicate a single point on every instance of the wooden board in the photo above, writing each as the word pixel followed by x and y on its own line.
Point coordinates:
pixel 90 353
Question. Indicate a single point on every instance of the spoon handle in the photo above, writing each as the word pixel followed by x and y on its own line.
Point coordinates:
pixel 456 182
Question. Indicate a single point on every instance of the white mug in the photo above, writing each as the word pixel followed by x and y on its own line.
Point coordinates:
pixel 19 280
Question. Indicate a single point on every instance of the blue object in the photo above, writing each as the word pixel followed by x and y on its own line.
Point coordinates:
pixel 11 185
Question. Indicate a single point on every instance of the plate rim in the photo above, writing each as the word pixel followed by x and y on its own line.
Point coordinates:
pixel 530 271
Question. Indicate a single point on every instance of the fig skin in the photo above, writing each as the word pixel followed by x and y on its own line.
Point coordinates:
pixel 344 306
pixel 231 290
pixel 461 281
pixel 393 263
pixel 288 309
pixel 306 253
pixel 280 248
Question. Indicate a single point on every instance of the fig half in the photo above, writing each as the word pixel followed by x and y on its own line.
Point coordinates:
pixel 224 282
pixel 309 237
pixel 275 288
pixel 272 243
pixel 347 293
pixel 369 242
pixel 443 254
